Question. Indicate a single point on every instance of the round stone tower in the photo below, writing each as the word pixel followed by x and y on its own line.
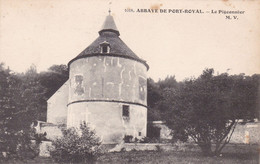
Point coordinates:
pixel 108 87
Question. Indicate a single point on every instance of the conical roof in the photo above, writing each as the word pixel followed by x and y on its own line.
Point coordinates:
pixel 109 25
pixel 109 34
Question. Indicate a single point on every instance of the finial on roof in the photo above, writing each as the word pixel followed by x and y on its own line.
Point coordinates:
pixel 109 11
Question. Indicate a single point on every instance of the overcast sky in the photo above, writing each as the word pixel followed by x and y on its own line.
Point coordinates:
pixel 47 32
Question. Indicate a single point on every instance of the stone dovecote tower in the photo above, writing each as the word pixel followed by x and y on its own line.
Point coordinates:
pixel 107 88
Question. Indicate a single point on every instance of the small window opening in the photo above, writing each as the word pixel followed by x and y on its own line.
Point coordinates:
pixel 142 85
pixel 139 133
pixel 105 47
pixel 79 82
pixel 125 110
pixel 141 89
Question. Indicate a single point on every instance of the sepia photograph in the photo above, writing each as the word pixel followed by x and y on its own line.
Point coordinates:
pixel 110 81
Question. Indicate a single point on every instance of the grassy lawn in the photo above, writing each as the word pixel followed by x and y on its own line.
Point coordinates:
pixel 233 154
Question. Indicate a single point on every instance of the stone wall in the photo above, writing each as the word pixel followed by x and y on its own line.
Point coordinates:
pixel 165 132
pixel 44 148
pixel 53 131
pixel 108 78
pixel 109 93
pixel 57 105
pixel 107 119
pixel 248 133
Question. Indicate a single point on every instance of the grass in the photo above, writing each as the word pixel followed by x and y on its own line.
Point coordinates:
pixel 233 153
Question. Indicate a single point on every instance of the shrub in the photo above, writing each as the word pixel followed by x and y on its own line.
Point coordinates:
pixel 76 145
pixel 128 139
pixel 158 148
pixel 180 146
pixel 17 145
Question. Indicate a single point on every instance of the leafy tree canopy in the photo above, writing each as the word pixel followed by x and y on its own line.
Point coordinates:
pixel 22 100
pixel 207 108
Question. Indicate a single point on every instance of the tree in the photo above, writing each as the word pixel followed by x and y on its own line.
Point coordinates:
pixel 32 98
pixel 207 108
pixel 20 104
pixel 23 100
pixel 154 97
pixel 76 145
pixel 168 82
pixel 14 130
pixel 53 79
pixel 8 84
